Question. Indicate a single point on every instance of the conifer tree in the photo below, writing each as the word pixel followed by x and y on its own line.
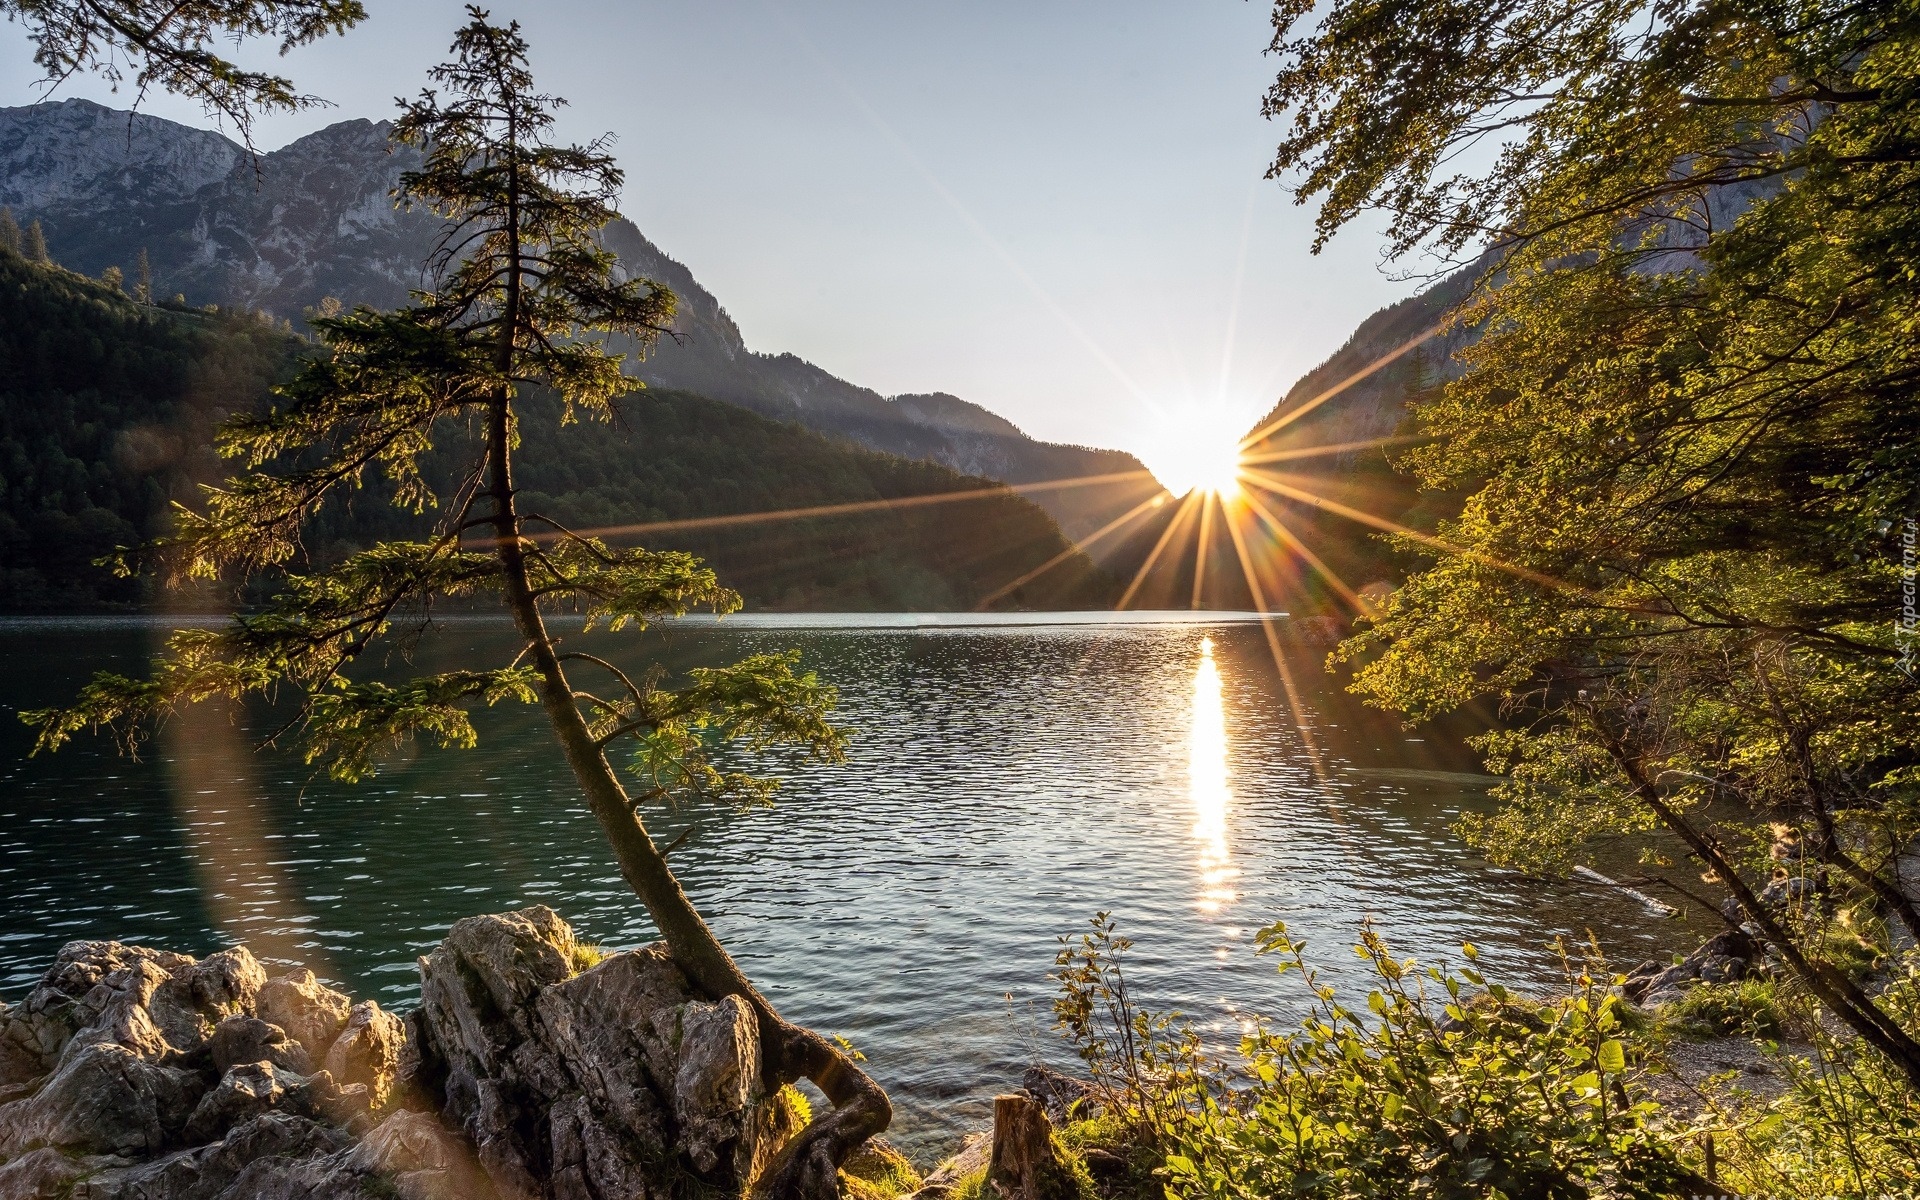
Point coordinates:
pixel 522 287
pixel 34 245
pixel 9 231
pixel 142 278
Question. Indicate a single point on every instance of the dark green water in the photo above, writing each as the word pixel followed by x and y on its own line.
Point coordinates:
pixel 1007 782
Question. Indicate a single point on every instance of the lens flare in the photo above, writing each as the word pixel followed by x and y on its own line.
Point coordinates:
pixel 1197 452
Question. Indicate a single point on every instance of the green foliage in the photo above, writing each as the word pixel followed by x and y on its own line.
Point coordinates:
pixel 878 1172
pixel 1846 1125
pixel 105 409
pixel 1428 1091
pixel 1685 431
pixel 585 956
pixel 1747 1008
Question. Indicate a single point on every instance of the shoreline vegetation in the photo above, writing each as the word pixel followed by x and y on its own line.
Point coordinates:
pixel 538 1065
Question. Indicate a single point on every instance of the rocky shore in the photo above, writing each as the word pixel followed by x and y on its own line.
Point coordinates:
pixel 533 1068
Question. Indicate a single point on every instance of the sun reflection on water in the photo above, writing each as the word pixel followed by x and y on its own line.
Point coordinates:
pixel 1207 784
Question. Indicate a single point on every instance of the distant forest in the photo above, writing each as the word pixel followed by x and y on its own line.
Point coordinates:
pixel 108 408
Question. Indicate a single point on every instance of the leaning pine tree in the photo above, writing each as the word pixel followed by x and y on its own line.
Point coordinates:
pixel 522 285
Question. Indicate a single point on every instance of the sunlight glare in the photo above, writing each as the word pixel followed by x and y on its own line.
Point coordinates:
pixel 1197 450
pixel 1207 784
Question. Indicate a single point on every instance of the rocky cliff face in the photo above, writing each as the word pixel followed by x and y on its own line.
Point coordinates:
pixel 315 219
pixel 137 1074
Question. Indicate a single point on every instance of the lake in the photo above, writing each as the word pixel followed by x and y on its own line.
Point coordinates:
pixel 1011 777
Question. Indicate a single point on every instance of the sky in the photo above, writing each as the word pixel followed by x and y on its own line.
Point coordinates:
pixel 1053 208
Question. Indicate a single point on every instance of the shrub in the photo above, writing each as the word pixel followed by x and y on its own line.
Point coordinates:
pixel 1750 1008
pixel 1429 1091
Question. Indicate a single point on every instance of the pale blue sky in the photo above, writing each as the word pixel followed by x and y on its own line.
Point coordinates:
pixel 1053 208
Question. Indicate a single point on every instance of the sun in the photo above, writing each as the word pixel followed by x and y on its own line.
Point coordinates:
pixel 1196 450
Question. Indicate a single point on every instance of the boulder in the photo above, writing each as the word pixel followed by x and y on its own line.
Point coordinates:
pixel 269 1145
pixel 312 1013
pixel 242 1039
pixel 104 1099
pixel 367 1052
pixel 1723 958
pixel 251 1090
pixel 1065 1097
pixel 581 1084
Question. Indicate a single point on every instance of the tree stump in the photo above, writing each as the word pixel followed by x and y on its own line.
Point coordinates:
pixel 1023 1161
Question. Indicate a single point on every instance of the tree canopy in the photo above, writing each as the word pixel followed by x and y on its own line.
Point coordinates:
pixel 1686 429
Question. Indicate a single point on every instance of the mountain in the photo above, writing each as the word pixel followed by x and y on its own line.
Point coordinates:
pixel 314 219
pixel 107 409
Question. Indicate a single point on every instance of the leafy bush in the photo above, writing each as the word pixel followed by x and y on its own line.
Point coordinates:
pixel 1848 1123
pixel 1427 1092
pixel 1750 1007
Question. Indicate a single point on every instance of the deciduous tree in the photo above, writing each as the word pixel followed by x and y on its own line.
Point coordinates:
pixel 1687 426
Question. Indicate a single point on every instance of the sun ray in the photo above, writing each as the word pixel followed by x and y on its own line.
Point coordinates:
pixel 1394 355
pixel 1139 577
pixel 1131 515
pixel 1261 606
pixel 1331 448
pixel 1293 543
pixel 851 508
pixel 1282 488
pixel 1207 499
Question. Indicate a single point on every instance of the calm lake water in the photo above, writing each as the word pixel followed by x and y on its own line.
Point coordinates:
pixel 1008 780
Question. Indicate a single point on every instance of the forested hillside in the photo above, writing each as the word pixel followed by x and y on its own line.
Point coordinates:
pixel 107 409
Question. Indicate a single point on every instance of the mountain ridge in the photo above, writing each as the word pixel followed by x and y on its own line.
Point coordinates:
pixel 314 219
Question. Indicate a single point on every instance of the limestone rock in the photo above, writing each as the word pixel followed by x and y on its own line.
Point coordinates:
pixel 104 1099
pixel 1722 958
pixel 266 1146
pixel 242 1039
pixel 718 1077
pixel 43 1172
pixel 311 1012
pixel 245 1092
pixel 367 1052
pixel 580 1085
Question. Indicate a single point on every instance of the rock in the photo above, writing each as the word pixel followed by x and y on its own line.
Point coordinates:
pixel 266 1148
pixel 243 1039
pixel 1065 1097
pixel 718 1077
pixel 251 1090
pixel 312 1013
pixel 1786 891
pixel 1723 958
pixel 1638 980
pixel 975 1150
pixel 104 1099
pixel 424 1160
pixel 581 1084
pixel 367 1052
pixel 43 1172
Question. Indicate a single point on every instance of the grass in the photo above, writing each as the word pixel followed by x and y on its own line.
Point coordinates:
pixel 587 956
pixel 1748 1008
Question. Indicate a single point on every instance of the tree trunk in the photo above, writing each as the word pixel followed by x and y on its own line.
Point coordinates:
pixel 809 1167
pixel 1839 994
pixel 1022 1148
